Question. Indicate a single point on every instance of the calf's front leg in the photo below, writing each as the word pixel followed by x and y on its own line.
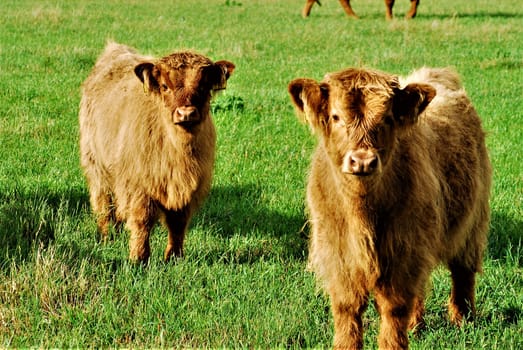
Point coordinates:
pixel 348 306
pixel 140 222
pixel 395 311
pixel 176 222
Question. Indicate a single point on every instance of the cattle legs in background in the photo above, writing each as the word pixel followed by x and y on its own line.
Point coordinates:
pixel 350 12
pixel 411 14
pixel 344 3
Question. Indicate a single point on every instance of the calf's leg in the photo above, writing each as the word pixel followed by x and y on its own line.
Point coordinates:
pixel 101 205
pixel 418 310
pixel 176 222
pixel 395 312
pixel 347 310
pixel 140 222
pixel 461 303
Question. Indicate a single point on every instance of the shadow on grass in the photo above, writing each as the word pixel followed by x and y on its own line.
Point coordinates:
pixel 29 221
pixel 473 15
pixel 241 211
pixel 506 238
pixel 424 15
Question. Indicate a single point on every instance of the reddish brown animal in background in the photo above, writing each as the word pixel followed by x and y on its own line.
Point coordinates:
pixel 348 9
pixel 400 181
pixel 147 141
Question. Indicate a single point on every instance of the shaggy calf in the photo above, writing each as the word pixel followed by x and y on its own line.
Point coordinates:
pixel 399 182
pixel 348 9
pixel 147 141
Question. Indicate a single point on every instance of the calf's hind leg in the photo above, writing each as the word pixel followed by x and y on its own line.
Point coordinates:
pixel 417 322
pixel 461 303
pixel 463 268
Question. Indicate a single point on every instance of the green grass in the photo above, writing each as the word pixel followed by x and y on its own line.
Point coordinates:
pixel 243 281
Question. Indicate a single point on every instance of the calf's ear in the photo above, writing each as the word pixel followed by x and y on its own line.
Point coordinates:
pixel 308 97
pixel 144 72
pixel 411 101
pixel 221 71
pixel 227 67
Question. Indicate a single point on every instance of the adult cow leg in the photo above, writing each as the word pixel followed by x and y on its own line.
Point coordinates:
pixel 389 4
pixel 176 222
pixel 307 8
pixel 348 9
pixel 413 9
pixel 461 303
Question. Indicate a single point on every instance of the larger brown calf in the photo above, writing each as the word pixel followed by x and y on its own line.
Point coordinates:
pixel 399 182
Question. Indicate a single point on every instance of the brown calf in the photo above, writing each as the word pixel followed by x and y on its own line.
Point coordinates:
pixel 399 182
pixel 348 9
pixel 147 141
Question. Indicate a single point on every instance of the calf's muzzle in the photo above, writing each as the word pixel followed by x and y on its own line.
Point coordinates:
pixel 186 115
pixel 360 162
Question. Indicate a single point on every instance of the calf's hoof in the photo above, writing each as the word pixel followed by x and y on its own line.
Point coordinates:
pixel 172 253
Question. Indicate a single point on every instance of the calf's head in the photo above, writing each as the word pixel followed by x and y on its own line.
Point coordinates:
pixel 358 114
pixel 185 82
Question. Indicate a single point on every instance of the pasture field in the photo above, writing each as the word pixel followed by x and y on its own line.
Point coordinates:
pixel 243 282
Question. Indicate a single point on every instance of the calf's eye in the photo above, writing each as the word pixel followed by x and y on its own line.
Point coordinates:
pixel 165 87
pixel 335 117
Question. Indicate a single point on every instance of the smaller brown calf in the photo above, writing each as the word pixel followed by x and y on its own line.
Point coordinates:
pixel 348 8
pixel 399 182
pixel 147 141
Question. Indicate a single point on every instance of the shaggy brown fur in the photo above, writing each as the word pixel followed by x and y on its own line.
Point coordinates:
pixel 147 141
pixel 348 9
pixel 399 182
